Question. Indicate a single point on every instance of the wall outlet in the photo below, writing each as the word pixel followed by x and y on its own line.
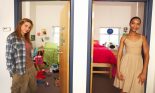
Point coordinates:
pixel 6 29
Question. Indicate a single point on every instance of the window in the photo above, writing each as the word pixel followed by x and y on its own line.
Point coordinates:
pixel 109 35
pixel 56 34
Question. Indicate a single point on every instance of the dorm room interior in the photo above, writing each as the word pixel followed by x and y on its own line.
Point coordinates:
pixel 51 40
pixel 50 37
pixel 109 23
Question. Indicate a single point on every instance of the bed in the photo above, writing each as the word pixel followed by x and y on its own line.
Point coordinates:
pixel 104 57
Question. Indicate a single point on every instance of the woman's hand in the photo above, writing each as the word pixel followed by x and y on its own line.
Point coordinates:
pixel 142 78
pixel 120 76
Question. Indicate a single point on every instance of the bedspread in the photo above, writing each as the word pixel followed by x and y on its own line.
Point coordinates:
pixel 101 54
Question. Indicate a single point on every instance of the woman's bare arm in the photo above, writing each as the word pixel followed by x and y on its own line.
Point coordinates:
pixel 146 55
pixel 120 52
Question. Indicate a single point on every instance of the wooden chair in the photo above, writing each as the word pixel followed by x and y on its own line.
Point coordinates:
pixel 101 65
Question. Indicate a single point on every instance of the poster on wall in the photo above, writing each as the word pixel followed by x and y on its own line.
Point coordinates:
pixel 32 37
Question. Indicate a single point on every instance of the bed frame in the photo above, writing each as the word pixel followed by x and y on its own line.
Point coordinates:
pixel 101 65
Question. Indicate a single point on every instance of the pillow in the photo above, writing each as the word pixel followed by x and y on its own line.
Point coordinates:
pixel 96 43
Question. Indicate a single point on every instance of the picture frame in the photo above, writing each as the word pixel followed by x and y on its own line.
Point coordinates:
pixel 32 37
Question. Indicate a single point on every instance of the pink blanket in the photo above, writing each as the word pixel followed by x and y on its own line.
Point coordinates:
pixel 102 54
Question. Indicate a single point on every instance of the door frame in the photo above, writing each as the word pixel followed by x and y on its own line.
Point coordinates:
pixel 147 27
pixel 18 16
pixel 146 31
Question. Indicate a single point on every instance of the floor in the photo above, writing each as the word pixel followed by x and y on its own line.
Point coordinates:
pixel 51 88
pixel 101 84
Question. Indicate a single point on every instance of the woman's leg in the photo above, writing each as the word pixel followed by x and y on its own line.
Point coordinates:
pixel 15 88
pixel 32 80
pixel 122 91
pixel 19 84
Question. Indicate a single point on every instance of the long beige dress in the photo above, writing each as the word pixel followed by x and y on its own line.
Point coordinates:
pixel 131 66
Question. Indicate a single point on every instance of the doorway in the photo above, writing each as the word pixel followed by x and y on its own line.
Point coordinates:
pixel 104 17
pixel 50 34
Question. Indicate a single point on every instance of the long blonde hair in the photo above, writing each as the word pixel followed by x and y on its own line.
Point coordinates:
pixel 18 29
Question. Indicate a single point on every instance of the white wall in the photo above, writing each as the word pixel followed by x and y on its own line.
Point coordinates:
pixel 80 46
pixel 6 20
pixel 140 13
pixel 115 14
pixel 44 15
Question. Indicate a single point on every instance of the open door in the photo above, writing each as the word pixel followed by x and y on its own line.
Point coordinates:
pixel 105 44
pixel 64 49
